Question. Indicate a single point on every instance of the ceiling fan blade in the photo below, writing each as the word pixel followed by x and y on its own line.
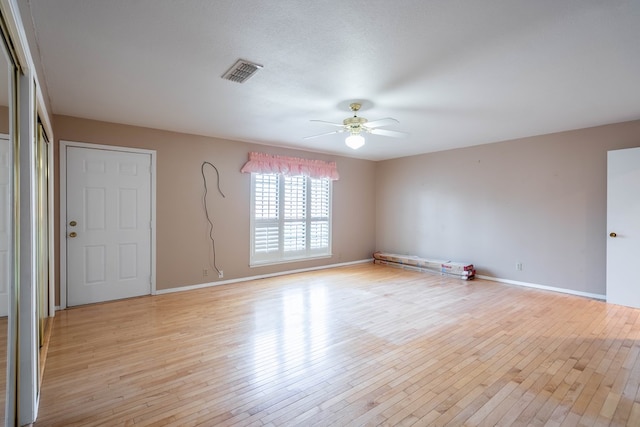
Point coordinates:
pixel 323 134
pixel 386 132
pixel 328 123
pixel 381 122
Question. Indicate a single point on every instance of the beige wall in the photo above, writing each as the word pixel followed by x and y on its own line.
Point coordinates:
pixel 539 201
pixel 182 243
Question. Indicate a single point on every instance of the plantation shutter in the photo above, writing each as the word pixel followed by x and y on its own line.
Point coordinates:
pixel 319 213
pixel 266 214
pixel 295 213
pixel 290 207
pixel 291 218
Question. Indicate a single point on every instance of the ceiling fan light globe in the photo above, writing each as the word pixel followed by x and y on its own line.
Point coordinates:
pixel 354 141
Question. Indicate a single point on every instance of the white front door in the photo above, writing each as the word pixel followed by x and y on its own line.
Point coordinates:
pixel 5 223
pixel 623 226
pixel 108 224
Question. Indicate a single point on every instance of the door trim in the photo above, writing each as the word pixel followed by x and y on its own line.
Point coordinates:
pixel 63 209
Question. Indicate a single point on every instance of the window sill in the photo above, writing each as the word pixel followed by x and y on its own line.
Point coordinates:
pixel 287 261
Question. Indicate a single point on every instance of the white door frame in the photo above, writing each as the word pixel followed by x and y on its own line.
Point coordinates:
pixel 63 209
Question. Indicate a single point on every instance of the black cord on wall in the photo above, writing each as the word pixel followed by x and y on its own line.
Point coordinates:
pixel 206 210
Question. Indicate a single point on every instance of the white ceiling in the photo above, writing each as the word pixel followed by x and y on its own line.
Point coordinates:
pixel 455 73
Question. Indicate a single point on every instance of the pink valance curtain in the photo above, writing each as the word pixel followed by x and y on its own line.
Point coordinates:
pixel 292 166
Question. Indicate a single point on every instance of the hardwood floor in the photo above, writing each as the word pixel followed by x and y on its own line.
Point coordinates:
pixel 361 345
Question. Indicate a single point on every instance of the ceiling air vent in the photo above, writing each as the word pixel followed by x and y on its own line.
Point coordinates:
pixel 241 71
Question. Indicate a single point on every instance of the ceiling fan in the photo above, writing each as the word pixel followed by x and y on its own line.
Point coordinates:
pixel 356 125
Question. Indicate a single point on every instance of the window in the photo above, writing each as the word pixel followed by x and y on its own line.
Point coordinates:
pixel 290 218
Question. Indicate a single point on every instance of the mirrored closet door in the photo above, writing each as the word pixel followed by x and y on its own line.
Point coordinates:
pixel 8 236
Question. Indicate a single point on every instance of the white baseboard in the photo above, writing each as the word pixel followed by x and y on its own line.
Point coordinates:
pixel 261 276
pixel 545 287
pixel 364 261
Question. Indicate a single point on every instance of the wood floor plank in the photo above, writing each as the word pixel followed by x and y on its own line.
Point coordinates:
pixel 358 345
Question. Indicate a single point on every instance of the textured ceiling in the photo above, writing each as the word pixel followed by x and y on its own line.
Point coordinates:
pixel 454 73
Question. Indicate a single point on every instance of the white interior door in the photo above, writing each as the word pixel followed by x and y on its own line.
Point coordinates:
pixel 623 226
pixel 5 225
pixel 108 224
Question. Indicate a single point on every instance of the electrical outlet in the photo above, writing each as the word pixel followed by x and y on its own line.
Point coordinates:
pixel 220 274
pixel 205 272
pixel 519 266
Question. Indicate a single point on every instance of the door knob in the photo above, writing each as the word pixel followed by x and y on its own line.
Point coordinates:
pixel 72 234
pixel 73 223
pixel 612 234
